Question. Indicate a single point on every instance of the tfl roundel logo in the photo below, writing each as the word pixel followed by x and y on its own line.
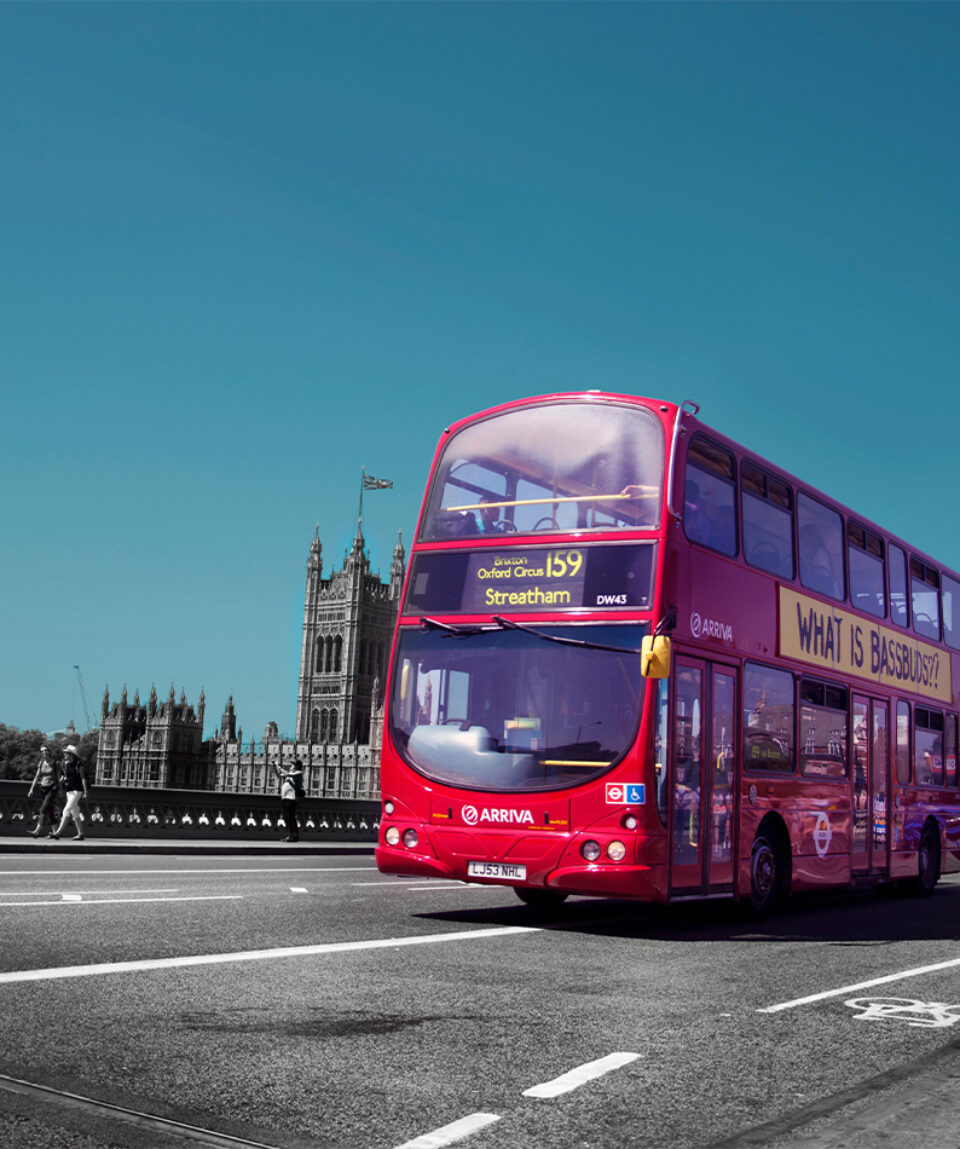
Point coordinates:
pixel 625 793
pixel 470 815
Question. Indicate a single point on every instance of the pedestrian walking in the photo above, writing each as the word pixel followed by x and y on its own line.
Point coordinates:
pixel 291 789
pixel 45 780
pixel 75 784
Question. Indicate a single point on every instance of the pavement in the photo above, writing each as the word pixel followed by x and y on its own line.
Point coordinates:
pixel 215 846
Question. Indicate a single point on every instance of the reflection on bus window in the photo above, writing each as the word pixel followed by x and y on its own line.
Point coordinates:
pixel 950 750
pixel 897 563
pixel 950 597
pixel 925 598
pixel 903 742
pixel 823 729
pixel 820 531
pixel 508 710
pixel 552 467
pixel 688 785
pixel 767 718
pixel 709 494
pixel 661 745
pixel 928 747
pixel 767 505
pixel 865 556
pixel 722 760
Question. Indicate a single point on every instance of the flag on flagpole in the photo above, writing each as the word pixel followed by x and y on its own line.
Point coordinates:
pixel 372 484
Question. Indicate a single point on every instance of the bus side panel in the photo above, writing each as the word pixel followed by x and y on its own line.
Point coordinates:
pixel 816 820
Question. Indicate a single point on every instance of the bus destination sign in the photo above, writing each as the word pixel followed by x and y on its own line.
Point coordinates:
pixel 531 579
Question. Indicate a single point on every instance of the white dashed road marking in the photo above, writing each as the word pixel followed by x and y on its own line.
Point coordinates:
pixel 449 1134
pixel 581 1075
pixel 458 1130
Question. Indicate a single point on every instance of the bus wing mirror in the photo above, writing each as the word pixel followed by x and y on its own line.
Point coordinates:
pixel 655 656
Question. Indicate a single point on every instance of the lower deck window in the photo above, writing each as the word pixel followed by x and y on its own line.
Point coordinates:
pixel 928 747
pixel 824 718
pixel 767 719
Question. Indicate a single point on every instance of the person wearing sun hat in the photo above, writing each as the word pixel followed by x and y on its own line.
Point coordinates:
pixel 75 784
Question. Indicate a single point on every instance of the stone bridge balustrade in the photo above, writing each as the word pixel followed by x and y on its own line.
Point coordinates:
pixel 124 812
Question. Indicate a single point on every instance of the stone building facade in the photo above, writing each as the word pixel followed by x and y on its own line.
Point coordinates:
pixel 157 745
pixel 348 622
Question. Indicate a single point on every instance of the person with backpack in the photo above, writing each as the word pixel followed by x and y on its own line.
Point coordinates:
pixel 291 790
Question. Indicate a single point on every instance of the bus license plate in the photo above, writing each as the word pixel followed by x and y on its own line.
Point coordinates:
pixel 505 871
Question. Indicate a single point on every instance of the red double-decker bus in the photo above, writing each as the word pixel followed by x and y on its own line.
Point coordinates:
pixel 634 659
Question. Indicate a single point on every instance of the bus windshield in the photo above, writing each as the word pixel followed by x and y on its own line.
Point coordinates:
pixel 509 709
pixel 550 467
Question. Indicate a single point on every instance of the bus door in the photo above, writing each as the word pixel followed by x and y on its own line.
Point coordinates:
pixel 871 785
pixel 702 822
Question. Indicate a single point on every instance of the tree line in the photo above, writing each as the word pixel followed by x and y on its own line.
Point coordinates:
pixel 20 751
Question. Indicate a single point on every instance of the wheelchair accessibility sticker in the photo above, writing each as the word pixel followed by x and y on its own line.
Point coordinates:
pixel 626 793
pixel 928 1014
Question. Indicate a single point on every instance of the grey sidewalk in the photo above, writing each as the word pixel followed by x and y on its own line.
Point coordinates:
pixel 226 846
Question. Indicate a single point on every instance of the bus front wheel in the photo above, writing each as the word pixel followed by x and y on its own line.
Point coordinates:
pixel 767 871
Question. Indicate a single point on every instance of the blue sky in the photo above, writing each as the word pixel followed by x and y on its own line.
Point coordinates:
pixel 249 249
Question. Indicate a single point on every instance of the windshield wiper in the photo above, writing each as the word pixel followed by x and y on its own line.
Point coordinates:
pixel 508 624
pixel 447 628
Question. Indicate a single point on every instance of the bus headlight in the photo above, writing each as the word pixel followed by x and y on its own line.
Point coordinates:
pixel 410 839
pixel 392 836
pixel 630 821
pixel 591 850
pixel 616 851
pixel 388 807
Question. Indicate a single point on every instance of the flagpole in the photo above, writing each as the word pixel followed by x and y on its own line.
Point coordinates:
pixel 363 483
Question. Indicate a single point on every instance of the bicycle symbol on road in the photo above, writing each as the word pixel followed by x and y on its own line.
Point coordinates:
pixel 930 1014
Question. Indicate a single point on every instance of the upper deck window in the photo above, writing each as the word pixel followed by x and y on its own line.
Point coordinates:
pixel 821 547
pixel 767 522
pixel 865 556
pixel 950 597
pixel 898 585
pixel 709 496
pixel 549 467
pixel 925 598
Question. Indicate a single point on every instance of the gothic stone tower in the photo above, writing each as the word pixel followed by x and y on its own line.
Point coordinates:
pixel 348 624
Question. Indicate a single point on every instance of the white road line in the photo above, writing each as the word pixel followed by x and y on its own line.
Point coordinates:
pixel 75 872
pixel 298 889
pixel 449 1134
pixel 581 1075
pixel 79 900
pixel 85 893
pixel 16 976
pixel 860 985
pixel 447 884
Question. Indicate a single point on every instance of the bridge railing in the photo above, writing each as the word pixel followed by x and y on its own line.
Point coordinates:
pixel 124 812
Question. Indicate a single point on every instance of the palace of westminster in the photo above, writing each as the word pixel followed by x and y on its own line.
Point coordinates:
pixel 348 623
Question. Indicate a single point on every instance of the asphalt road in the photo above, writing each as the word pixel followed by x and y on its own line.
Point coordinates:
pixel 309 1001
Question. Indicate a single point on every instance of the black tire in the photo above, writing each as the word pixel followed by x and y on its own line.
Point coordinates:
pixel 540 900
pixel 768 871
pixel 929 861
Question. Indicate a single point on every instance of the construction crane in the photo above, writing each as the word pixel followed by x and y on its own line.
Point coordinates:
pixel 83 696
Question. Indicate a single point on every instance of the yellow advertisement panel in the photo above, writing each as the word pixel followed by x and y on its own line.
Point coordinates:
pixel 834 639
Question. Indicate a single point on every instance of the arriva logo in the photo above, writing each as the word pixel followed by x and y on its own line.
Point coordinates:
pixel 472 816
